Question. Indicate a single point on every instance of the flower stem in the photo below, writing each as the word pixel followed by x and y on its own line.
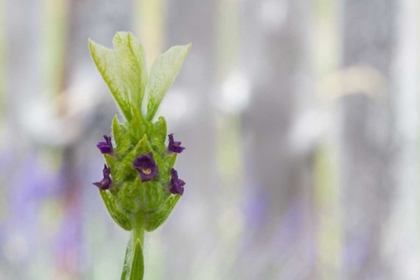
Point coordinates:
pixel 138 228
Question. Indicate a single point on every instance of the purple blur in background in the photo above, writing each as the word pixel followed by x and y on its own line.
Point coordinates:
pixel 300 120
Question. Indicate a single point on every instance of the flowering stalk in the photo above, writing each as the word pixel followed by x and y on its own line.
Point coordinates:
pixel 140 186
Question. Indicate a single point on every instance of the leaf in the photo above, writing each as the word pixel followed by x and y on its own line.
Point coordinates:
pixel 127 261
pixel 118 131
pixel 157 136
pixel 119 217
pixel 128 197
pixel 134 262
pixel 110 161
pixel 120 134
pixel 171 159
pixel 138 125
pixel 152 195
pixel 160 129
pixel 137 266
pixel 163 73
pixel 123 69
pixel 143 147
pixel 153 221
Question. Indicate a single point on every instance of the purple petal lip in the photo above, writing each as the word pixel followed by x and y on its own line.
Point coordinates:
pixel 146 166
pixel 106 147
pixel 176 186
pixel 106 182
pixel 174 146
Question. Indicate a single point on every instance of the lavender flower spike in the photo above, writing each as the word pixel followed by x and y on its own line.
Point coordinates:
pixel 146 166
pixel 106 182
pixel 176 185
pixel 106 147
pixel 174 146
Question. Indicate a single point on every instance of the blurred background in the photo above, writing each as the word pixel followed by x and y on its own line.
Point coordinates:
pixel 300 120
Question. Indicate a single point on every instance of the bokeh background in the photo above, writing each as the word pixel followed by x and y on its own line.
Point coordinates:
pixel 300 120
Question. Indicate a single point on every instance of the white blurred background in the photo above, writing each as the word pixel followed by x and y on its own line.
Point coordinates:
pixel 300 120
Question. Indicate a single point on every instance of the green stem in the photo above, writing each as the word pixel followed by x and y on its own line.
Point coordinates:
pixel 138 228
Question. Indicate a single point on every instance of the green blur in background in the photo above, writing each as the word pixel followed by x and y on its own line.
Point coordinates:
pixel 300 122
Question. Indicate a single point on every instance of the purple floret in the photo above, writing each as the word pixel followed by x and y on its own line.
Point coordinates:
pixel 174 146
pixel 106 182
pixel 106 147
pixel 146 166
pixel 176 185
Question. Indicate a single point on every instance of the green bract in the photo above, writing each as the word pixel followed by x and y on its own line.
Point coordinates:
pixel 133 204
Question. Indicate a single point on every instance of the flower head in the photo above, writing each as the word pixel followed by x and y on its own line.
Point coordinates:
pixel 174 146
pixel 146 166
pixel 106 147
pixel 176 185
pixel 106 182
